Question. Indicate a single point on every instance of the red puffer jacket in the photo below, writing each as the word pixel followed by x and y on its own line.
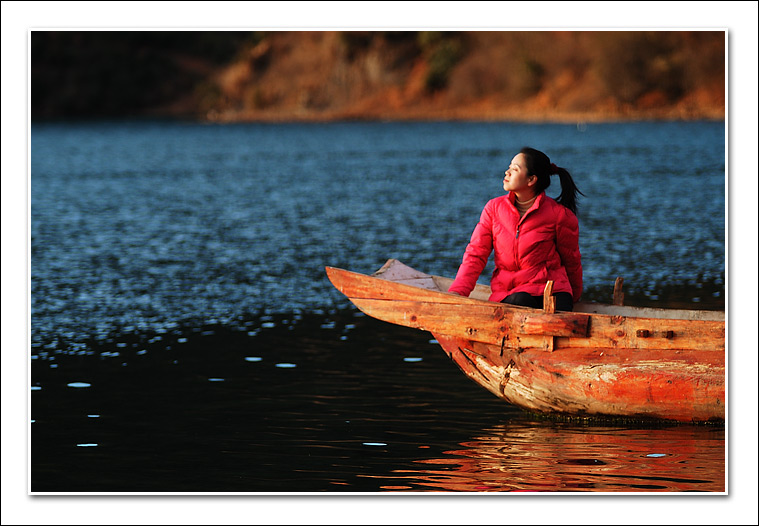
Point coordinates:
pixel 542 245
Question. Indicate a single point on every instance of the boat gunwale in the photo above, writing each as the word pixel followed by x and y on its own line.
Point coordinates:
pixel 590 308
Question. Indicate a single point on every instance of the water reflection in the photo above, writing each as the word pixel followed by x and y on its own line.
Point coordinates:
pixel 565 458
pixel 219 413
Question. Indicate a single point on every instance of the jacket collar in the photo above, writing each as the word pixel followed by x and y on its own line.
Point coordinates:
pixel 511 197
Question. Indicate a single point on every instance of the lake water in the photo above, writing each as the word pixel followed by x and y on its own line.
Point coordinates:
pixel 185 338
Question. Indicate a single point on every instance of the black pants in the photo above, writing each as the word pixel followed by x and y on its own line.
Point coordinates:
pixel 563 300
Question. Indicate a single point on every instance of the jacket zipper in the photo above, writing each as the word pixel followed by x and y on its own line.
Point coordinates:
pixel 516 238
pixel 516 248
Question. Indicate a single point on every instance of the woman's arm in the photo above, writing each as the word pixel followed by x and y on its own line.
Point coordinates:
pixel 568 245
pixel 476 255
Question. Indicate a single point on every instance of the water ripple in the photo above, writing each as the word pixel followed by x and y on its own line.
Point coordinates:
pixel 169 223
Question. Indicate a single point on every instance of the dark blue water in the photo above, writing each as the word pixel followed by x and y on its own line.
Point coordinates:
pixel 177 279
pixel 143 226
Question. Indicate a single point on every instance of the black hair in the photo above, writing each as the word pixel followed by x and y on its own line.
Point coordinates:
pixel 539 165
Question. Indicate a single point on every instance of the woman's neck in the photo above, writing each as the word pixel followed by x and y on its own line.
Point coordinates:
pixel 523 206
pixel 525 196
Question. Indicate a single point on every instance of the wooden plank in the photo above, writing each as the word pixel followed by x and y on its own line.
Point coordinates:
pixel 549 301
pixel 619 296
pixel 355 285
pixel 648 312
pixel 466 321
pixel 558 324
pixel 488 322
pixel 650 333
pixel 494 324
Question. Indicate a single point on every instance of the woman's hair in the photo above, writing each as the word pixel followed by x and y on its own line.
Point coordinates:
pixel 540 165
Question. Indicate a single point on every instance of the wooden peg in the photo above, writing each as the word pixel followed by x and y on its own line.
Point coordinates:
pixel 549 302
pixel 619 296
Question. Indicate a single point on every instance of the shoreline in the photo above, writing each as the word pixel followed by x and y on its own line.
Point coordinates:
pixel 505 116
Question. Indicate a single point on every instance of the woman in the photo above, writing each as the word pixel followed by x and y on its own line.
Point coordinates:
pixel 535 238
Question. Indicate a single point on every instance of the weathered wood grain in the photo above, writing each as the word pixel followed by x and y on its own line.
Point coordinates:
pixel 618 297
pixel 549 301
pixel 683 386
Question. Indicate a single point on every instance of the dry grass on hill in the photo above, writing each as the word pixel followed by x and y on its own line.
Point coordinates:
pixel 322 75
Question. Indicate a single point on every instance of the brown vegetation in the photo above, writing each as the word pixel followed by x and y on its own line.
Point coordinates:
pixel 491 75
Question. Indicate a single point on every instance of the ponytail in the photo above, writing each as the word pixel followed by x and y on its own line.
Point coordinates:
pixel 569 191
pixel 539 165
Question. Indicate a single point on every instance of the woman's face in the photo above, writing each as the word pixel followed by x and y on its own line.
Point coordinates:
pixel 516 178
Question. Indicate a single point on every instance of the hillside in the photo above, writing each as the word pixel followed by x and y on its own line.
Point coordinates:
pixel 326 75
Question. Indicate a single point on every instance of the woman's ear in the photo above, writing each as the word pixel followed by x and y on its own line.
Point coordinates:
pixel 532 180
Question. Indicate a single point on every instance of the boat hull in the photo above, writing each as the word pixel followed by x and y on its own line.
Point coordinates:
pixel 679 385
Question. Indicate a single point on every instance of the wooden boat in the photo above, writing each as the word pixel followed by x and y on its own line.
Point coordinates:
pixel 596 361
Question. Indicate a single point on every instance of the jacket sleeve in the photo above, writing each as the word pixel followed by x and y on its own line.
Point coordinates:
pixel 568 244
pixel 476 255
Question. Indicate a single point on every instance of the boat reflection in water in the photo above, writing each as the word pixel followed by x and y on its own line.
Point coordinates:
pixel 567 458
